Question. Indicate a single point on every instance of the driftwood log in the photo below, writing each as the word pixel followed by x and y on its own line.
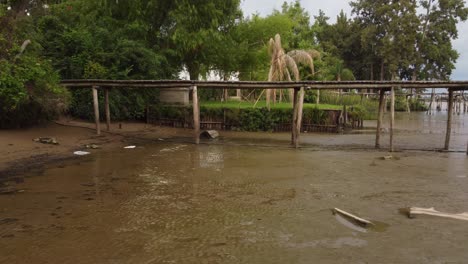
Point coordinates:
pixel 357 219
pixel 431 211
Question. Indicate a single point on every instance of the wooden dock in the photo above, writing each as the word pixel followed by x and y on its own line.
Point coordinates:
pixel 384 87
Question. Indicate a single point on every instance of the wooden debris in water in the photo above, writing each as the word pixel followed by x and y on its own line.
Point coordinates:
pixel 358 219
pixel 46 140
pixel 431 211
pixel 211 134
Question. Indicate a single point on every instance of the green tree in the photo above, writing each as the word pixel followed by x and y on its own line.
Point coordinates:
pixel 198 28
pixel 391 28
pixel 436 55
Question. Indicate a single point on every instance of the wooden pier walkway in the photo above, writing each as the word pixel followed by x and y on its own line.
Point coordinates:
pixel 299 91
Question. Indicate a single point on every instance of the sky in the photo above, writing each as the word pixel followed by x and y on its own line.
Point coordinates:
pixel 333 7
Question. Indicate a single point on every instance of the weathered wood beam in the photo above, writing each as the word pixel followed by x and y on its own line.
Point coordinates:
pixel 379 118
pixel 160 84
pixel 107 108
pixel 196 114
pixel 431 211
pixel 96 110
pixel 449 120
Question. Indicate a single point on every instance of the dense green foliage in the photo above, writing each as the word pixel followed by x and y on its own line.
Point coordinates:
pixel 245 119
pixel 29 90
pixel 157 39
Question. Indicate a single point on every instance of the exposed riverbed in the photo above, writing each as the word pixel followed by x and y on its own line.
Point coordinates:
pixel 246 198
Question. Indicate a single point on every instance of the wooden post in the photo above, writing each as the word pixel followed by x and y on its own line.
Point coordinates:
pixel 379 118
pixel 392 117
pixel 385 104
pixel 107 108
pixel 196 114
pixel 300 106
pixel 449 120
pixel 294 117
pixel 317 100
pixel 96 110
pixel 345 116
pixel 408 108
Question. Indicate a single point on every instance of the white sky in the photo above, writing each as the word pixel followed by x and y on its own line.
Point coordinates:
pixel 333 7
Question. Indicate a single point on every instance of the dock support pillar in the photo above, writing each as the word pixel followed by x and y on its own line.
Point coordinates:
pixel 379 118
pixel 96 110
pixel 392 116
pixel 294 117
pixel 107 108
pixel 449 120
pixel 196 115
pixel 300 106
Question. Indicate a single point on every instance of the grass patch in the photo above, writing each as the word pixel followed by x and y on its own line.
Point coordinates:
pixel 262 104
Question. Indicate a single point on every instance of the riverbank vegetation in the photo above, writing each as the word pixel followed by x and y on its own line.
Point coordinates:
pixel 42 42
pixel 243 118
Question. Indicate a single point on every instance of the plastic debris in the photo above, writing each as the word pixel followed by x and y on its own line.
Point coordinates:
pixel 129 147
pixel 81 153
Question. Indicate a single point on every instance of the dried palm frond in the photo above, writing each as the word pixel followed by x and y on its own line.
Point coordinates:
pixel 314 53
pixel 291 64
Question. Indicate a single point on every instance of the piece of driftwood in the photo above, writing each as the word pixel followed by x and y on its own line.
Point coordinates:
pixel 431 211
pixel 358 219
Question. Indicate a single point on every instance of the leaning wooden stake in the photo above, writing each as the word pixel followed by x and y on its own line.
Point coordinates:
pixel 431 211
pixel 196 115
pixel 96 110
pixel 294 117
pixel 300 106
pixel 449 121
pixel 355 218
pixel 107 108
pixel 380 118
pixel 392 117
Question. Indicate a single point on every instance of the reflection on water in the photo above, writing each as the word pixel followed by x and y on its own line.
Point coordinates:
pixel 182 203
pixel 211 157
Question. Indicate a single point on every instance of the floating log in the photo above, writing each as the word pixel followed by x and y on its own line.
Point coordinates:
pixel 431 211
pixel 358 219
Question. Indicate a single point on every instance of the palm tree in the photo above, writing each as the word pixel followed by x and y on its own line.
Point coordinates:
pixel 283 64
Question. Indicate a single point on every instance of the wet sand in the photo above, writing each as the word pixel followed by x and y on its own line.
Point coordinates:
pixel 244 199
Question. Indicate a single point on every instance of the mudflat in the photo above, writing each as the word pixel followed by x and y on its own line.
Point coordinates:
pixel 244 198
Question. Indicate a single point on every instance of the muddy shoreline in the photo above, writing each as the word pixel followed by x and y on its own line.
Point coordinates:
pixel 19 154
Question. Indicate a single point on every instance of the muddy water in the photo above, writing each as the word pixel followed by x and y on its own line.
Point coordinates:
pixel 233 203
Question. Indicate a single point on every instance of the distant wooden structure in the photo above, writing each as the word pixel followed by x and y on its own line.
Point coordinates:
pixel 299 91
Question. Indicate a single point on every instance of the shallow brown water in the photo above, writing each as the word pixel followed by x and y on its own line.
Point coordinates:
pixel 213 203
